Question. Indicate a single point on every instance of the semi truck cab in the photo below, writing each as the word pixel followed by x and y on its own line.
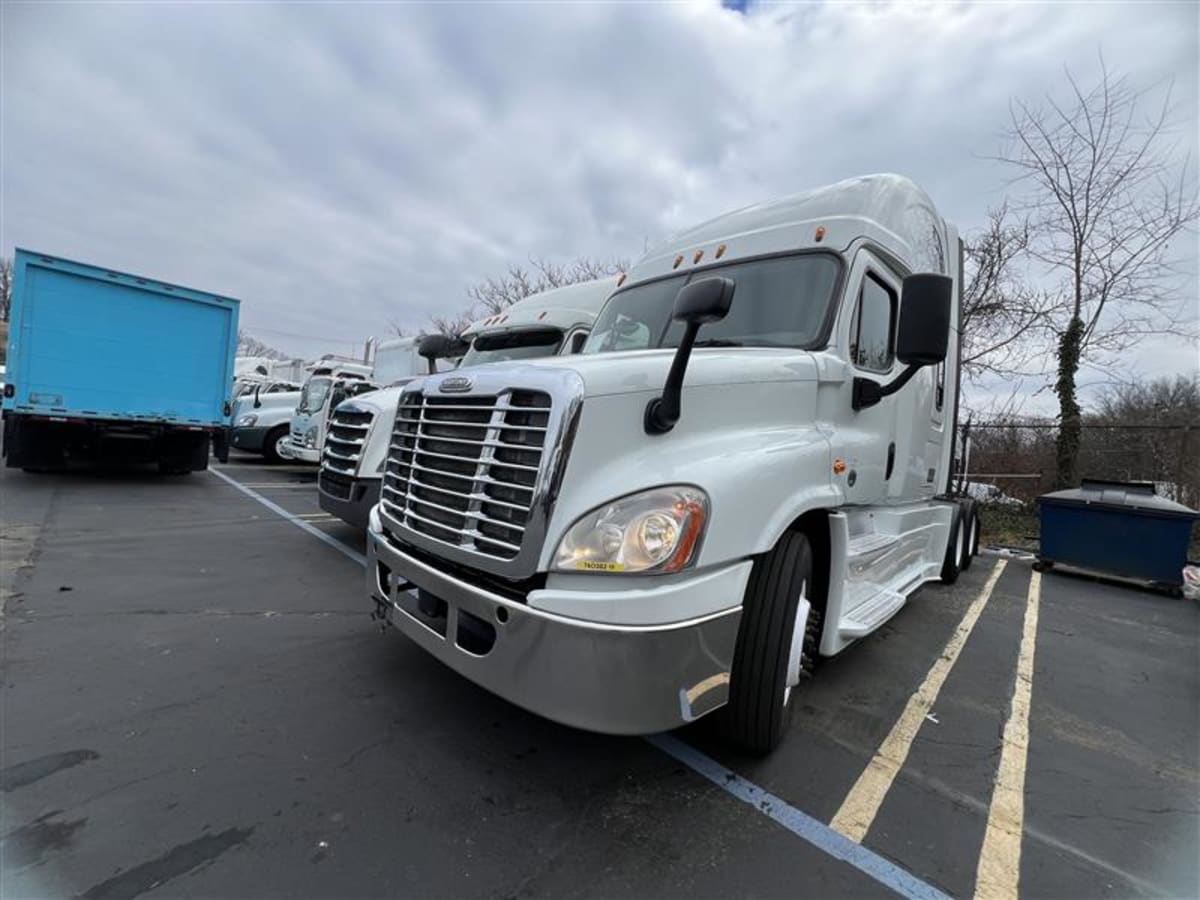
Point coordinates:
pixel 554 322
pixel 746 470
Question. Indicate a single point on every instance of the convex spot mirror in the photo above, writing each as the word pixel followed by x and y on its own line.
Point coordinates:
pixel 924 330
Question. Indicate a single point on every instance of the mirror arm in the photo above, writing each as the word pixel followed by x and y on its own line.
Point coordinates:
pixel 663 412
pixel 257 402
pixel 867 392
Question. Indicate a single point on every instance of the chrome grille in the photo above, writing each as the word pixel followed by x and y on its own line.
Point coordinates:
pixel 345 439
pixel 463 470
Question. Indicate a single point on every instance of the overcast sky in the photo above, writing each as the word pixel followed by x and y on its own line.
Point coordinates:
pixel 339 167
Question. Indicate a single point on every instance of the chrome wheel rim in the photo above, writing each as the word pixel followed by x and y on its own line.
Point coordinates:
pixel 796 650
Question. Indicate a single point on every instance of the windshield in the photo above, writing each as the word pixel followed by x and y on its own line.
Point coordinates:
pixel 526 344
pixel 779 302
pixel 312 395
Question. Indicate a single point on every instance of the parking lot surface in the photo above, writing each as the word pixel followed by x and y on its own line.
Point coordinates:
pixel 197 704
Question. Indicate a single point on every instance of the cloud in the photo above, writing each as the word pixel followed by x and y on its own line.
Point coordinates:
pixel 340 167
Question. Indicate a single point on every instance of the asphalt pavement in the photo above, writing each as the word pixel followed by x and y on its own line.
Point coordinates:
pixel 196 703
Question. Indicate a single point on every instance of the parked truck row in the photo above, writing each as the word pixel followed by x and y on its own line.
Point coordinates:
pixel 629 503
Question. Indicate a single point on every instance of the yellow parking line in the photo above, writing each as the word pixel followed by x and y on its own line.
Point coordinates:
pixel 999 873
pixel 858 810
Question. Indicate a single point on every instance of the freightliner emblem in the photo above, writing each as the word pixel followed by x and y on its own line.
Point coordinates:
pixel 456 385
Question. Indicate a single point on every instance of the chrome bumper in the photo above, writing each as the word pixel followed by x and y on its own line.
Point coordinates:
pixel 616 679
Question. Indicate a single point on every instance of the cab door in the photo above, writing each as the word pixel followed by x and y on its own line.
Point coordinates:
pixel 867 341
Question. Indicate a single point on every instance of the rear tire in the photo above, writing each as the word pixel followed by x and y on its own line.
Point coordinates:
pixel 954 547
pixel 271 444
pixel 760 700
pixel 970 514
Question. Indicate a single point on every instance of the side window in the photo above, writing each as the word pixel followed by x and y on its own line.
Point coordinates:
pixel 939 385
pixel 578 339
pixel 872 332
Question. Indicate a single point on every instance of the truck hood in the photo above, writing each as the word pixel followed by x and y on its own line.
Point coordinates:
pixel 375 402
pixel 638 371
pixel 288 400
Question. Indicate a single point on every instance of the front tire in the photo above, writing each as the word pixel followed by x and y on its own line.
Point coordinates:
pixel 271 444
pixel 770 645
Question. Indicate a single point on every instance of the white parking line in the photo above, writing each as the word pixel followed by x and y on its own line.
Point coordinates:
pixel 799 823
pixel 294 519
pixel 861 805
pixel 999 874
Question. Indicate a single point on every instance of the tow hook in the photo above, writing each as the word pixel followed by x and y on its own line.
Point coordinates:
pixel 379 614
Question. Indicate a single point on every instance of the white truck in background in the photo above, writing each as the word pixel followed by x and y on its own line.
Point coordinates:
pixel 331 380
pixel 555 322
pixel 747 468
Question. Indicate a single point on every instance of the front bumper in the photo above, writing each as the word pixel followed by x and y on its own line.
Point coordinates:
pixel 350 499
pixel 303 454
pixel 249 439
pixel 616 679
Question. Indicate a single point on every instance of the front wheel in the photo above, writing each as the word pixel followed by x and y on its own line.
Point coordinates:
pixel 273 444
pixel 777 645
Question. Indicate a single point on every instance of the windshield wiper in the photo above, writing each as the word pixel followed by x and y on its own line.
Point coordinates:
pixel 718 342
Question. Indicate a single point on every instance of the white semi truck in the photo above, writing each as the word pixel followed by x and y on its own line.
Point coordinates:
pixel 748 468
pixel 555 322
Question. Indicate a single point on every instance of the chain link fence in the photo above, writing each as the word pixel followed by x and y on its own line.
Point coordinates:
pixel 1009 464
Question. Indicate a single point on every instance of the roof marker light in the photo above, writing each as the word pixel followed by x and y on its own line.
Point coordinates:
pixel 720 252
pixel 678 260
pixel 542 314
pixel 820 235
pixel 699 254
pixel 621 280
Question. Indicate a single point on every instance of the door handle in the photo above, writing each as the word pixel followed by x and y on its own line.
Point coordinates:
pixel 891 461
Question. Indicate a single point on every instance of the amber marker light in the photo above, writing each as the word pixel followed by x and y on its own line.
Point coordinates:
pixel 839 466
pixel 720 252
pixel 820 235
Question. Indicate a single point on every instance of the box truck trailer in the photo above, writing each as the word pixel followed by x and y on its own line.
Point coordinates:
pixel 554 322
pixel 103 365
pixel 746 470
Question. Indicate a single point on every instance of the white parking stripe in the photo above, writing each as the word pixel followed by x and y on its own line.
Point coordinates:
pixel 294 519
pixel 999 874
pixel 861 805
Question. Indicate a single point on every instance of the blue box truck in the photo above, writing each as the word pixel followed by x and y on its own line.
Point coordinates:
pixel 105 366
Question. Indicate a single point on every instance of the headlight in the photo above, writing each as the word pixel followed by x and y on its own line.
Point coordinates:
pixel 247 420
pixel 310 437
pixel 654 531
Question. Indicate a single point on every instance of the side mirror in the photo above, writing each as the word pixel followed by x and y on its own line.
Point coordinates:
pixel 696 304
pixel 923 333
pixel 439 346
pixel 257 391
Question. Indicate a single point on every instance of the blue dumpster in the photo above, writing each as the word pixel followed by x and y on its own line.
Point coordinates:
pixel 1117 527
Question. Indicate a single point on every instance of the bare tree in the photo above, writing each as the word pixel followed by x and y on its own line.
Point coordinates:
pixel 452 326
pixel 1106 194
pixel 248 345
pixel 6 286
pixel 497 294
pixel 1001 310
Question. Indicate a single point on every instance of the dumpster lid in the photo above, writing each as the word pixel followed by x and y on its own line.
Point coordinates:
pixel 1138 495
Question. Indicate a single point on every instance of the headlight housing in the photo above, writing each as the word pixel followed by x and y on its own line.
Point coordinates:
pixel 310 437
pixel 246 421
pixel 654 531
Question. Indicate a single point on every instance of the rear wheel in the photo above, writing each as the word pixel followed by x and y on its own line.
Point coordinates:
pixel 272 444
pixel 955 546
pixel 970 525
pixel 777 645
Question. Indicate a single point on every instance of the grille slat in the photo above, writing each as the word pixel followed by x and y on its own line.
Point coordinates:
pixel 345 439
pixel 462 470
